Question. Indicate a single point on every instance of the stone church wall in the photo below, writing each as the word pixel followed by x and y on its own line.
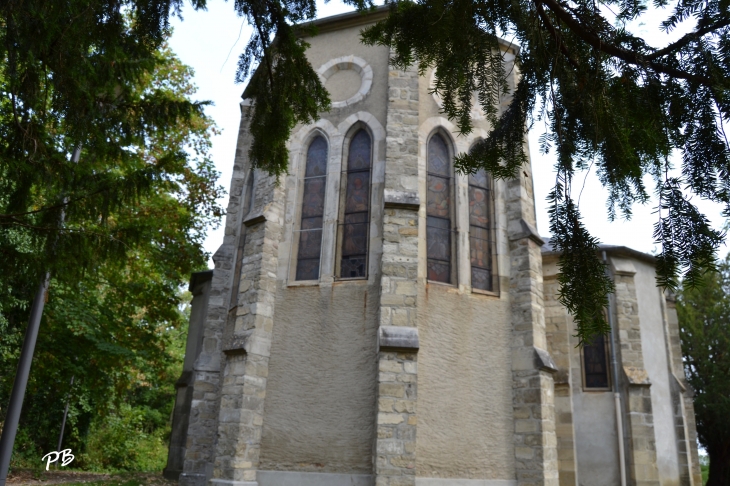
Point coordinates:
pixel 656 362
pixel 393 380
pixel 320 400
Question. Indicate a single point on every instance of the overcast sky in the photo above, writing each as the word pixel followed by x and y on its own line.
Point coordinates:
pixel 211 41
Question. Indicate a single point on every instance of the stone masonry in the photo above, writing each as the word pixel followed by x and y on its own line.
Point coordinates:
pixel 690 473
pixel 247 345
pixel 558 331
pixel 395 448
pixel 639 418
pixel 532 367
pixel 203 421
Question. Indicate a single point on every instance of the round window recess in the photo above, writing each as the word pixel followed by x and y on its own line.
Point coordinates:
pixel 348 80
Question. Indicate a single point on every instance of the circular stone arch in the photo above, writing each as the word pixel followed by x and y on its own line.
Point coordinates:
pixel 352 63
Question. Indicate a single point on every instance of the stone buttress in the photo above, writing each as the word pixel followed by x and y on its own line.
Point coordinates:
pixel 395 448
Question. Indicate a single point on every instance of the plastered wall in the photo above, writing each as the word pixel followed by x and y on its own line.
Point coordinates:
pixel 320 402
pixel 594 422
pixel 465 419
pixel 328 45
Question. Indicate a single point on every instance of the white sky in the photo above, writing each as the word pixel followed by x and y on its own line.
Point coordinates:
pixel 211 41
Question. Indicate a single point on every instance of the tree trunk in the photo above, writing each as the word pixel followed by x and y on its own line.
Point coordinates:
pixel 719 465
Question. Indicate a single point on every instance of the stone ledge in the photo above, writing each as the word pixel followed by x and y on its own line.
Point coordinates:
pixel 398 338
pixel 192 479
pixel 527 231
pixel 543 361
pixel 254 219
pixel 230 482
pixel 621 266
pixel 186 379
pixel 401 200
pixel 637 376
pixel 235 345
pixel 464 482
pixel 530 358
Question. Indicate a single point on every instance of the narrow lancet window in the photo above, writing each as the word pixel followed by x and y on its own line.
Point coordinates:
pixel 248 197
pixel 595 363
pixel 480 222
pixel 356 218
pixel 439 208
pixel 310 231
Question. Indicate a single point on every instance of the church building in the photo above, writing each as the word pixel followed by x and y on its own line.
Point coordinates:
pixel 377 319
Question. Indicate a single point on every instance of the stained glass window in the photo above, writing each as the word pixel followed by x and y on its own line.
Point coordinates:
pixel 310 231
pixel 595 363
pixel 480 220
pixel 353 263
pixel 439 204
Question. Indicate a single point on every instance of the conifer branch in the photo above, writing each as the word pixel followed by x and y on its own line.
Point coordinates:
pixel 558 39
pixel 687 39
pixel 631 57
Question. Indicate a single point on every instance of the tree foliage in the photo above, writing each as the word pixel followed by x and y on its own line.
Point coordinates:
pixel 704 323
pixel 611 102
pixel 77 74
pixel 135 211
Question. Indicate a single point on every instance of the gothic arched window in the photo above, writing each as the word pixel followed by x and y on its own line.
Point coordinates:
pixel 356 212
pixel 310 230
pixel 480 231
pixel 439 212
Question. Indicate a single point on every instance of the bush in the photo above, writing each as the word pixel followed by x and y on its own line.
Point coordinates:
pixel 118 442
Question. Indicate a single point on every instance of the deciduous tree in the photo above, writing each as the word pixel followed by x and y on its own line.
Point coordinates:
pixel 112 319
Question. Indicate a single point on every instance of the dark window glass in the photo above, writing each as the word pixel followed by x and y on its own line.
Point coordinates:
pixel 310 233
pixel 438 211
pixel 480 221
pixel 595 363
pixel 356 219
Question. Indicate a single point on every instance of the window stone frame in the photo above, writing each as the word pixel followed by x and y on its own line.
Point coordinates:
pixel 335 136
pixel 461 144
pixel 295 192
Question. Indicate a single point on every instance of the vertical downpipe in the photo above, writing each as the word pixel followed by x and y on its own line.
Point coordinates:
pixel 616 390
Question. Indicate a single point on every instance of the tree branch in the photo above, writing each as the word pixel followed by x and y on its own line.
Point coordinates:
pixel 625 55
pixel 556 35
pixel 264 45
pixel 686 39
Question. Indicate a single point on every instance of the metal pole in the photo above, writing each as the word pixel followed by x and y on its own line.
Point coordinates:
pixel 616 389
pixel 10 427
pixel 63 423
